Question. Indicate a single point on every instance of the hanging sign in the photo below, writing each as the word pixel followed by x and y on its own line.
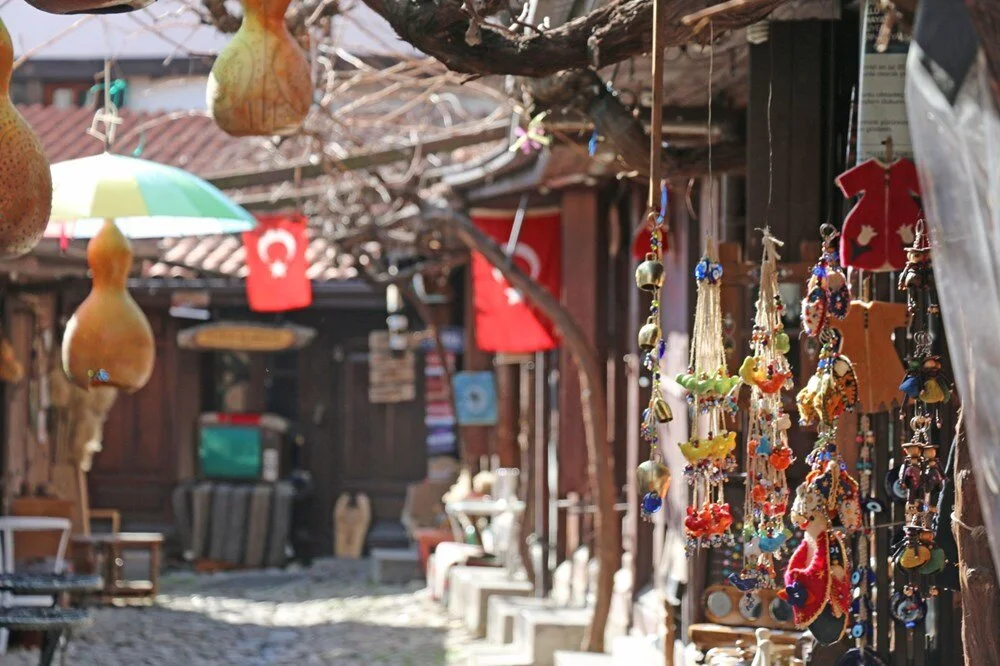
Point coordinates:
pixel 475 398
pixel 391 374
pixel 882 102
pixel 245 336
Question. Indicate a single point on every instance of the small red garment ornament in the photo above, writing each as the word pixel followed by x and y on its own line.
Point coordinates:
pixel 505 321
pixel 882 224
pixel 276 260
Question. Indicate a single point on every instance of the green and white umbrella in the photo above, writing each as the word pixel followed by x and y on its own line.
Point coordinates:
pixel 145 199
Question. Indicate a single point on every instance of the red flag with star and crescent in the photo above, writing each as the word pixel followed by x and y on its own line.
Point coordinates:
pixel 505 321
pixel 276 261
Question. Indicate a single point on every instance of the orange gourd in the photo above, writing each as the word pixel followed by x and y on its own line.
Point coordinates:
pixel 25 179
pixel 260 83
pixel 108 340
pixel 89 6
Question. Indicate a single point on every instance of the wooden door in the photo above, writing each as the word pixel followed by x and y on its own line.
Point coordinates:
pixel 383 445
pixel 137 468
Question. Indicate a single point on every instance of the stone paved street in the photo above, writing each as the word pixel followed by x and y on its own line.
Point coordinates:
pixel 328 614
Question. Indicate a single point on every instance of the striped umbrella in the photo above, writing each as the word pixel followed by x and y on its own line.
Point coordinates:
pixel 146 200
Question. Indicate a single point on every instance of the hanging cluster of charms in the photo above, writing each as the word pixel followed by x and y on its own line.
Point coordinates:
pixel 920 479
pixel 827 504
pixel 833 388
pixel 710 394
pixel 653 476
pixel 862 625
pixel 767 372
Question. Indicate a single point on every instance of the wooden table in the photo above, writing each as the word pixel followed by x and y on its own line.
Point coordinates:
pixel 111 547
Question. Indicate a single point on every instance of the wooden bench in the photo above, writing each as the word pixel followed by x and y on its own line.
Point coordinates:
pixel 110 547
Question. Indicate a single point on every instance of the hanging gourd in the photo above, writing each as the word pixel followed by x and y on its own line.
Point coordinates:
pixel 89 6
pixel 25 179
pixel 108 340
pixel 260 83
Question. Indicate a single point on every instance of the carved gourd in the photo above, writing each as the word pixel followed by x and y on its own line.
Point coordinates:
pixel 260 83
pixel 25 179
pixel 108 340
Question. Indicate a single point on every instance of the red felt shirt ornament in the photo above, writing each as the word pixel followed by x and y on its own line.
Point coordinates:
pixel 880 227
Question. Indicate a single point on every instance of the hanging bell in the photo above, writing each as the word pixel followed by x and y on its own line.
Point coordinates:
pixel 649 335
pixel 654 477
pixel 662 410
pixel 649 274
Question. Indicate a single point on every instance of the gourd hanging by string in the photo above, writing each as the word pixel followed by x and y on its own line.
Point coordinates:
pixel 261 82
pixel 89 6
pixel 25 178
pixel 108 340
pixel 767 372
pixel 709 386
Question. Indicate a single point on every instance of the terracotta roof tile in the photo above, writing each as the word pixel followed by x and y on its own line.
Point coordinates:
pixel 187 140
pixel 190 141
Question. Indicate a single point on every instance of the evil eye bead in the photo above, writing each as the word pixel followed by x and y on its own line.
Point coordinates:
pixel 701 270
pixel 651 503
pixel 858 630
pixel 874 505
pixel 856 577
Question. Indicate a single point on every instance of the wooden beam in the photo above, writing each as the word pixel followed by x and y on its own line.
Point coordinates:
pixel 362 160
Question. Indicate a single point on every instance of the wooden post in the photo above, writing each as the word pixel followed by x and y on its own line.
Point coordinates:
pixel 580 289
pixel 475 439
pixel 507 391
pixel 980 591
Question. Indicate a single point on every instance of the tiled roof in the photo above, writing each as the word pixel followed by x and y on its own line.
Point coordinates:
pixel 190 141
pixel 187 140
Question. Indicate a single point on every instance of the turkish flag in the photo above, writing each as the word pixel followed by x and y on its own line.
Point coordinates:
pixel 505 321
pixel 276 259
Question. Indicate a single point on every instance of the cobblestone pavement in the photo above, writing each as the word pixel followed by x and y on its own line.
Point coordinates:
pixel 327 614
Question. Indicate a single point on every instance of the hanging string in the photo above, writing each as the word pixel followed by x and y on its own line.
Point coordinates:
pixel 770 135
pixel 711 174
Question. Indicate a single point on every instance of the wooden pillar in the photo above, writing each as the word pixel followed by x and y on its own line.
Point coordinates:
pixel 475 439
pixel 582 247
pixel 506 430
pixel 580 287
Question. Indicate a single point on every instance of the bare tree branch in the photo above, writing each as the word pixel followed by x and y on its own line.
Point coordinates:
pixel 612 33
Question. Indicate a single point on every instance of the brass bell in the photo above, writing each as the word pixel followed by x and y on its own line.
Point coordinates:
pixel 649 274
pixel 653 476
pixel 649 335
pixel 662 410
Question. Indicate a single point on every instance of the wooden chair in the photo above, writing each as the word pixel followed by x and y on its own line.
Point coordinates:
pixel 9 525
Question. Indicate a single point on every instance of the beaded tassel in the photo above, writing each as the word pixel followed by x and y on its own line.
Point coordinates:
pixel 767 372
pixel 710 389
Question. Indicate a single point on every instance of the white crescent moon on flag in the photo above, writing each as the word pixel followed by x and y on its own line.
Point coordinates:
pixel 528 255
pixel 276 237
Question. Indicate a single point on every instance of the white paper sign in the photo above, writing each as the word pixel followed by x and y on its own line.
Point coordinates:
pixel 882 103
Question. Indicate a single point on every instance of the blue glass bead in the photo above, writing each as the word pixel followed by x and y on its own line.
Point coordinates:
pixel 651 503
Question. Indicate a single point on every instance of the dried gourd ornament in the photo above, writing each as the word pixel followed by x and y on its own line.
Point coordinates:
pixel 89 6
pixel 260 83
pixel 25 178
pixel 108 340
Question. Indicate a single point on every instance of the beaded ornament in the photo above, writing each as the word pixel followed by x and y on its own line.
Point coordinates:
pixel 710 388
pixel 767 372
